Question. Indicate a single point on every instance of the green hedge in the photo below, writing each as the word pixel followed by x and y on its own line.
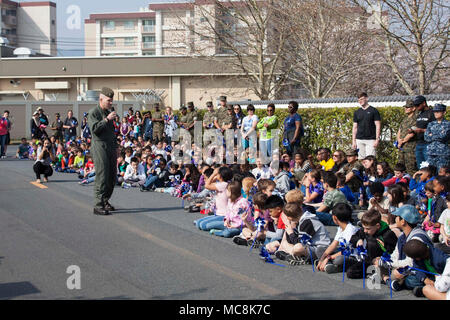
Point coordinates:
pixel 332 128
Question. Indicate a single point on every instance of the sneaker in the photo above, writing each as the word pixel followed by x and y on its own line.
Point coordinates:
pixel 213 231
pixel 281 255
pixel 257 244
pixel 396 285
pixel 83 182
pixel 418 292
pixel 332 268
pixel 296 260
pixel 126 185
pixel 240 241
pixel 144 189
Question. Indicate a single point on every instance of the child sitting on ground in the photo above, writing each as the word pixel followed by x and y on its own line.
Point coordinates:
pixel 266 186
pixel 22 150
pixel 275 232
pixel 314 187
pixel 435 206
pixel 332 260
pixel 376 237
pixel 344 188
pixel 282 179
pixel 78 162
pixel 218 183
pixel 299 223
pixel 444 220
pixel 134 175
pixel 400 175
pixel 431 260
pixel 332 197
pixel 157 177
pixel 236 207
pixel 250 232
pixel 407 219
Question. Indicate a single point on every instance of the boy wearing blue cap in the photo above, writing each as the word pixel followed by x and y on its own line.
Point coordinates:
pixel 437 136
pixel 407 219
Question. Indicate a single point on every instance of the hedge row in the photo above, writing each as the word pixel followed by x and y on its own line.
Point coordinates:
pixel 332 128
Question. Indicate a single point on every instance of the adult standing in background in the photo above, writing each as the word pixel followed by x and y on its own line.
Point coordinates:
pixel 239 115
pixel 293 129
pixel 35 126
pixel 248 128
pixel 407 140
pixel 70 127
pixel 192 116
pixel 5 126
pixel 104 151
pixel 158 124
pixel 366 128
pixel 425 116
pixel 265 127
pixel 438 137
pixel 222 112
pixel 170 124
pixel 57 127
pixel 42 117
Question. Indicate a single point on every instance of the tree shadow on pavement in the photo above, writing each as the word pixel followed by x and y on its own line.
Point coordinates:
pixel 16 289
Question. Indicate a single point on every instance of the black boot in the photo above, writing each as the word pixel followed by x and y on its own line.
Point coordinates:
pixel 101 211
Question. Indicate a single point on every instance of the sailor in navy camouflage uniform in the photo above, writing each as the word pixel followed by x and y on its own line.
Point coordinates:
pixel 437 136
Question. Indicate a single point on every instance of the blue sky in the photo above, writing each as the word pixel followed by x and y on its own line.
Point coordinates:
pixel 71 38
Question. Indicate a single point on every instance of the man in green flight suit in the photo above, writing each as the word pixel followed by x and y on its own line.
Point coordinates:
pixel 104 151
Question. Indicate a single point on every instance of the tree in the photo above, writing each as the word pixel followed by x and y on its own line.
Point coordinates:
pixel 245 32
pixel 415 35
pixel 326 46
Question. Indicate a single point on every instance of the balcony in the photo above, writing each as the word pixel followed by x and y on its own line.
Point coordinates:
pixel 148 29
pixel 148 45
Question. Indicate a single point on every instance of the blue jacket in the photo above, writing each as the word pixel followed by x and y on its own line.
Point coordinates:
pixel 438 259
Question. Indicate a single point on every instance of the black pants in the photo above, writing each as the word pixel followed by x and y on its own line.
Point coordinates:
pixel 40 168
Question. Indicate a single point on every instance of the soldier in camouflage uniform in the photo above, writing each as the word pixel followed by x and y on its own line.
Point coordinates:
pixel 353 171
pixel 406 138
pixel 103 151
pixel 208 120
pixel 183 118
pixel 158 124
pixel 193 116
pixel 438 136
pixel 221 113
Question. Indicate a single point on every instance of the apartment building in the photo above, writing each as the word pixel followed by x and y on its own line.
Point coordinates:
pixel 29 24
pixel 162 29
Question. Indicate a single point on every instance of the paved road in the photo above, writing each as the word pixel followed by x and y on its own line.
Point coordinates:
pixel 149 249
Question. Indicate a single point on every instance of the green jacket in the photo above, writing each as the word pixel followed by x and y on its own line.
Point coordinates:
pixel 265 133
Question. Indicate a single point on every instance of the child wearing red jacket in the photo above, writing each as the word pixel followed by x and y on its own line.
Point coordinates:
pixel 400 175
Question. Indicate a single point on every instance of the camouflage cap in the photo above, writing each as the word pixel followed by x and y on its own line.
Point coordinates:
pixel 222 98
pixel 351 152
pixel 409 103
pixel 209 104
pixel 190 104
pixel 107 92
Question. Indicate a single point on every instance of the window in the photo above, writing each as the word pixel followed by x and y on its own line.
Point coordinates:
pixel 129 41
pixel 148 25
pixel 109 25
pixel 110 42
pixel 129 25
pixel 149 53
pixel 148 42
pixel 53 22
